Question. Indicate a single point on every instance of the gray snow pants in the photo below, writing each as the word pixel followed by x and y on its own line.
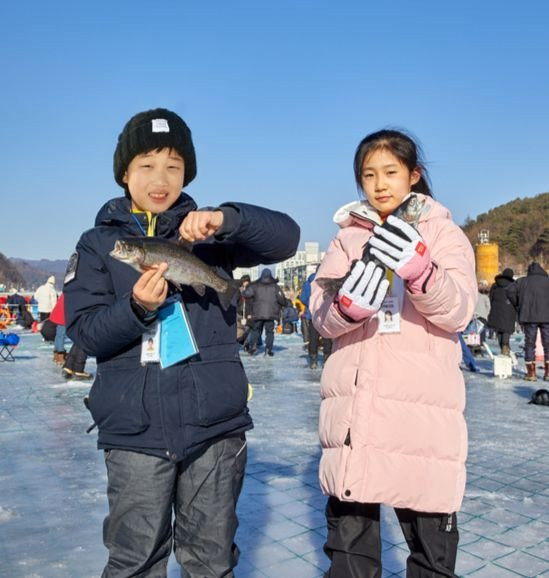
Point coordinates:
pixel 145 492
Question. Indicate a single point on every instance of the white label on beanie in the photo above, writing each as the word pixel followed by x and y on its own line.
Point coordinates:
pixel 160 125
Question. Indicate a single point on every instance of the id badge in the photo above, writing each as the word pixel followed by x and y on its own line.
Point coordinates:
pixel 150 344
pixel 389 316
pixel 177 341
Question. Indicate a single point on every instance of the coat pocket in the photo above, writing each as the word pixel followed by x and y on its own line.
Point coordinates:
pixel 116 400
pixel 221 388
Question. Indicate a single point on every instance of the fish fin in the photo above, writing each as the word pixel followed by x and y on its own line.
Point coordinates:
pixel 187 245
pixel 199 288
pixel 178 286
pixel 226 297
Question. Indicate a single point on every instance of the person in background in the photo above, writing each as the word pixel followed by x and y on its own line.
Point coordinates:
pixel 74 362
pixel 530 297
pixel 482 308
pixel 392 427
pixel 502 316
pixel 16 304
pixel 267 301
pixel 314 338
pixel 289 318
pixel 243 312
pixel 46 298
pixel 174 436
pixel 300 308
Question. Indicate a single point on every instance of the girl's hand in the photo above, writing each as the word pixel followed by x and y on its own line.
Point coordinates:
pixel 401 248
pixel 151 289
pixel 199 225
pixel 362 293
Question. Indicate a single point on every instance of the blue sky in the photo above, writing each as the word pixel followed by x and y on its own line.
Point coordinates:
pixel 277 95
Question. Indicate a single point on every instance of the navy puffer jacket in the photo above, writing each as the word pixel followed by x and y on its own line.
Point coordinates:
pixel 172 411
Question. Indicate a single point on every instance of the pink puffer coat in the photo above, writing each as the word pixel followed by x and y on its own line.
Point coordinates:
pixel 391 417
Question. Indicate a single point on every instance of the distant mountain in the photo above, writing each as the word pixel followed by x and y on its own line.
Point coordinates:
pixel 10 276
pixel 30 274
pixel 520 228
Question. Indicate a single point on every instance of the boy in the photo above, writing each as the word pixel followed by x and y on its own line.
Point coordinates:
pixel 173 436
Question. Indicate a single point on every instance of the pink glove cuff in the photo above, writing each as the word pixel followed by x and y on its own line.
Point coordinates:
pixel 424 282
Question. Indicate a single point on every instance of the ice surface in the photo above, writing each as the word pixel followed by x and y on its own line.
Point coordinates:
pixel 52 478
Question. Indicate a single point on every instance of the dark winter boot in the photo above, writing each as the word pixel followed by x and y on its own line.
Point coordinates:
pixel 59 357
pixel 531 371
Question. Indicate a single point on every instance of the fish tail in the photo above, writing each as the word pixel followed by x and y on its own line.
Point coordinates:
pixel 226 296
pixel 331 285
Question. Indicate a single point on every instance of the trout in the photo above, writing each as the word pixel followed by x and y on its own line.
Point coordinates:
pixel 409 211
pixel 184 268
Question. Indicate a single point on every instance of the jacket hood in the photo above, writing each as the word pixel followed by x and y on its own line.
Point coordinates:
pixel 536 269
pixel 117 212
pixel 267 277
pixel 363 214
pixel 502 280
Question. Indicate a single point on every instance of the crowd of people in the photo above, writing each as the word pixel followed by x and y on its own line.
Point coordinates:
pixel 515 305
pixel 49 319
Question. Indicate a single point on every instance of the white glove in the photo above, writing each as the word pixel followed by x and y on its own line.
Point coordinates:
pixel 362 293
pixel 401 248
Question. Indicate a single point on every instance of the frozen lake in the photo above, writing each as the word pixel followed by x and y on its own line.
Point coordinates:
pixel 52 478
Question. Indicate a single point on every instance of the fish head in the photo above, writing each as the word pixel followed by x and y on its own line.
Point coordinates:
pixel 128 253
pixel 411 209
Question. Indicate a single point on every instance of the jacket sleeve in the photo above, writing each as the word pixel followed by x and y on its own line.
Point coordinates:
pixel 258 235
pixel 325 316
pixel 305 295
pixel 512 294
pixel 450 301
pixel 96 320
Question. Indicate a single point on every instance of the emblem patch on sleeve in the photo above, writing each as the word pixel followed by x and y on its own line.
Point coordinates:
pixel 72 266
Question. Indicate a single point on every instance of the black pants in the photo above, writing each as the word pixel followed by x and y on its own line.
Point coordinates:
pixel 257 330
pixel 76 359
pixel 354 542
pixel 503 338
pixel 314 341
pixel 530 335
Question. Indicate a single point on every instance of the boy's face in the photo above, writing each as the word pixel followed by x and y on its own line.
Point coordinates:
pixel 155 179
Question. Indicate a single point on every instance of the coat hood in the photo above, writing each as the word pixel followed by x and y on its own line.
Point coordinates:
pixel 361 213
pixel 536 269
pixel 267 277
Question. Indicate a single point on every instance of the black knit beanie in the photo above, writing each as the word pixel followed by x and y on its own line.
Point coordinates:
pixel 508 273
pixel 151 130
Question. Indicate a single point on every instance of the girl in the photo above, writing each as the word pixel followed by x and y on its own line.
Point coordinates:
pixel 391 418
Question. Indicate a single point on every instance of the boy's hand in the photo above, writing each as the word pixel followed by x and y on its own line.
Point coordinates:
pixel 199 225
pixel 151 289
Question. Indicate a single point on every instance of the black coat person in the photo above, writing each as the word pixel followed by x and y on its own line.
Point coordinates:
pixel 530 297
pixel 267 300
pixel 502 316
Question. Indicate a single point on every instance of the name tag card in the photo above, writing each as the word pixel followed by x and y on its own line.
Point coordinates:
pixel 150 344
pixel 177 341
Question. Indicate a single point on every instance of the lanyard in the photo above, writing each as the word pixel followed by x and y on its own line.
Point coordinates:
pixel 151 226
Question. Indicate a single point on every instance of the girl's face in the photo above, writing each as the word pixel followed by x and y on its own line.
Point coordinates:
pixel 155 180
pixel 386 180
